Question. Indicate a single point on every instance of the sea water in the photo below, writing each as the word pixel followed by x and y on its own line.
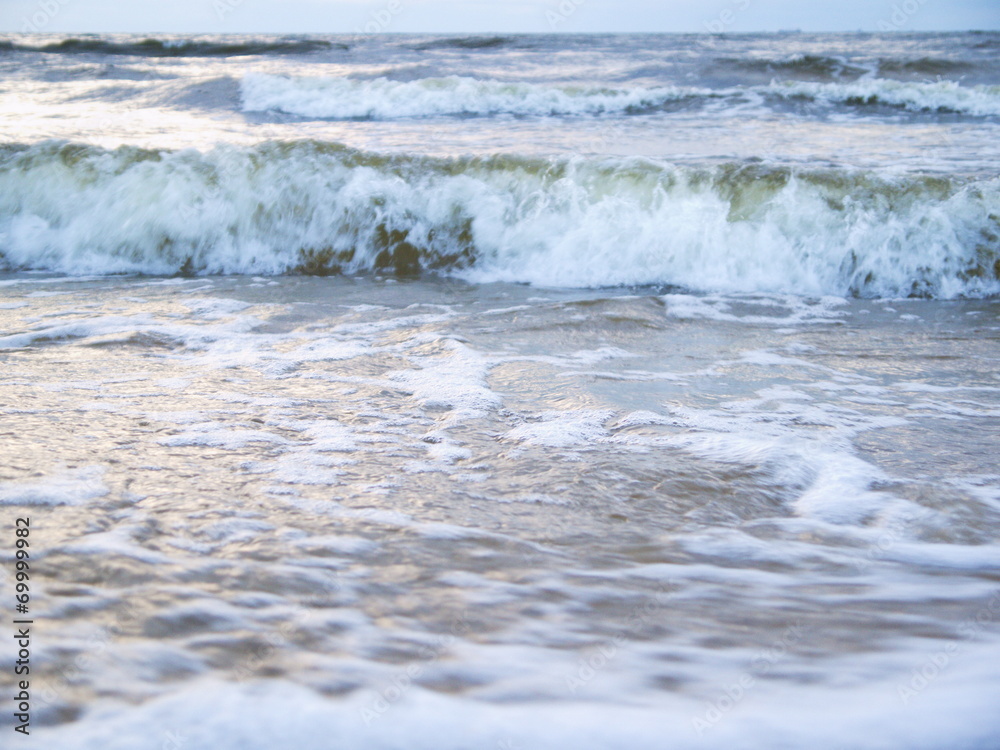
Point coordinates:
pixel 503 392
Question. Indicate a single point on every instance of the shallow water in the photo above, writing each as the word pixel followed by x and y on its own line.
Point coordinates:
pixel 503 500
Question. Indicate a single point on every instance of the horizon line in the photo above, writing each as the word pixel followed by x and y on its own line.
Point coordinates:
pixel 519 33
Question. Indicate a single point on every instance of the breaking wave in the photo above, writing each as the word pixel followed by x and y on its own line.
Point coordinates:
pixel 939 96
pixel 383 98
pixel 321 208
pixel 825 68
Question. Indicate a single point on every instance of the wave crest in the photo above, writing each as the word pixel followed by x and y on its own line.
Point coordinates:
pixel 939 96
pixel 384 99
pixel 180 48
pixel 312 207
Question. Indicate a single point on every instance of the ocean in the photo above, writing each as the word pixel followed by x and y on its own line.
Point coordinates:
pixel 500 392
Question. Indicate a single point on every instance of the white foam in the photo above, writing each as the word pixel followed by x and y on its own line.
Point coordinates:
pixel 178 384
pixel 533 499
pixel 104 325
pixel 949 96
pixel 120 541
pixel 215 308
pixel 235 530
pixel 972 409
pixel 930 388
pixel 562 429
pixel 219 343
pixel 448 452
pixel 642 419
pixel 381 98
pixel 67 487
pixel 864 715
pixel 804 446
pixel 786 309
pixel 454 383
pixel 212 435
pixel 573 223
pixel 177 417
pixel 347 546
pixel 321 435
pixel 299 467
pixel 328 350
pixel 591 356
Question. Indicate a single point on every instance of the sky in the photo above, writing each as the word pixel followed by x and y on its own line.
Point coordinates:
pixel 499 16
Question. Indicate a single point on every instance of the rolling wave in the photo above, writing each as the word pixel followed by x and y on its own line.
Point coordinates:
pixel 828 68
pixel 805 66
pixel 938 96
pixel 321 208
pixel 384 99
pixel 933 66
pixel 466 43
pixel 181 48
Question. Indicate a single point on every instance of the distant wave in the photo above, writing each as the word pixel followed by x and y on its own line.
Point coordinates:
pixel 168 48
pixel 932 66
pixel 808 66
pixel 939 96
pixel 383 99
pixel 823 68
pixel 320 208
pixel 466 42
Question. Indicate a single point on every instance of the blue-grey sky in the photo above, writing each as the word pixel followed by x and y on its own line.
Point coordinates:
pixel 468 16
